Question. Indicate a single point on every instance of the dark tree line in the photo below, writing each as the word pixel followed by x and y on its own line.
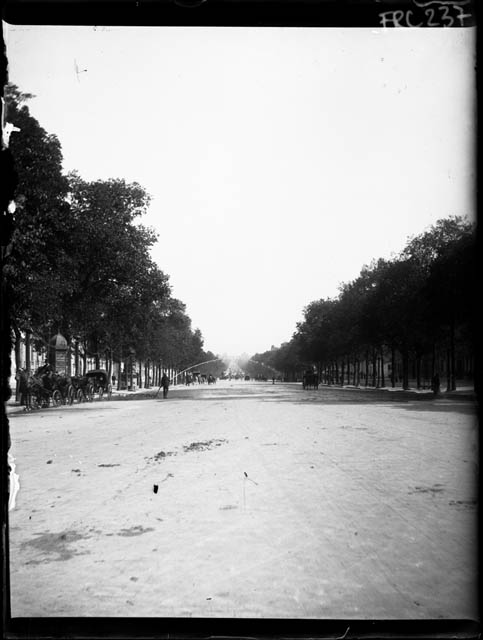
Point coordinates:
pixel 78 262
pixel 401 319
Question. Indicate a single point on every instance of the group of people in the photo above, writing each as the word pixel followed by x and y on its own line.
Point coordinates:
pixel 198 378
pixel 189 379
pixel 42 383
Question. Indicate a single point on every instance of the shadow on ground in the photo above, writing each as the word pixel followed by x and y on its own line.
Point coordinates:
pixel 460 402
pixel 79 409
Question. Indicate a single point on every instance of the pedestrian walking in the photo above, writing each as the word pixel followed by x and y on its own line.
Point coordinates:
pixel 22 378
pixel 165 384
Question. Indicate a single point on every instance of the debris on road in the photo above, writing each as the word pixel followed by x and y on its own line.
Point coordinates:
pixel 137 530
pixel 163 454
pixel 202 446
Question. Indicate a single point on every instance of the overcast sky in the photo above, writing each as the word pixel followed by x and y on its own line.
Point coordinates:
pixel 279 160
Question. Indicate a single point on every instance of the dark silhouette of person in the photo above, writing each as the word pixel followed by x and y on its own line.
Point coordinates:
pixel 165 384
pixel 22 378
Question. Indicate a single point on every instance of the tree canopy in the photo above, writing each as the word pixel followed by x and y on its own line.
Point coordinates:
pixel 79 259
pixel 419 304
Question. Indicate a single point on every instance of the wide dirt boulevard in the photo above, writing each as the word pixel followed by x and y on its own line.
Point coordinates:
pixel 272 501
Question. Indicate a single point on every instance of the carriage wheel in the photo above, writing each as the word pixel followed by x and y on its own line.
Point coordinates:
pixel 70 394
pixel 56 398
pixel 109 391
pixel 79 396
pixel 90 392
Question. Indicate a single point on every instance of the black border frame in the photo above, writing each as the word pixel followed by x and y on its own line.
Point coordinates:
pixel 196 13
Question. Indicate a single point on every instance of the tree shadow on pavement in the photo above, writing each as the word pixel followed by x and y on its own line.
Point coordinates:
pixel 405 400
pixel 56 410
pixel 463 404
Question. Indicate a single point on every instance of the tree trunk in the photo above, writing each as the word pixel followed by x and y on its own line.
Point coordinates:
pixel 452 355
pixel 84 358
pixel 109 364
pixel 393 366
pixel 76 358
pixel 28 349
pixel 374 368
pixel 96 353
pixel 120 369
pixel 448 370
pixel 383 378
pixel 18 363
pixel 405 368
pixel 17 343
pixel 367 369
pixel 342 371
pixel 418 372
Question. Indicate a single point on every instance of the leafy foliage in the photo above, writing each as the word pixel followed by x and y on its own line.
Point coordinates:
pixel 37 255
pixel 420 303
pixel 79 258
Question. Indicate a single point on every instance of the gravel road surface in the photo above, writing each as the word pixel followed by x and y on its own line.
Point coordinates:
pixel 270 501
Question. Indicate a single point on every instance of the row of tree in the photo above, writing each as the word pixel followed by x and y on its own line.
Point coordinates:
pixel 402 319
pixel 79 261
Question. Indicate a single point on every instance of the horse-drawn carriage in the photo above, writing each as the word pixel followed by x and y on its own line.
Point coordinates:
pixel 83 389
pixel 46 388
pixel 92 383
pixel 98 382
pixel 310 380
